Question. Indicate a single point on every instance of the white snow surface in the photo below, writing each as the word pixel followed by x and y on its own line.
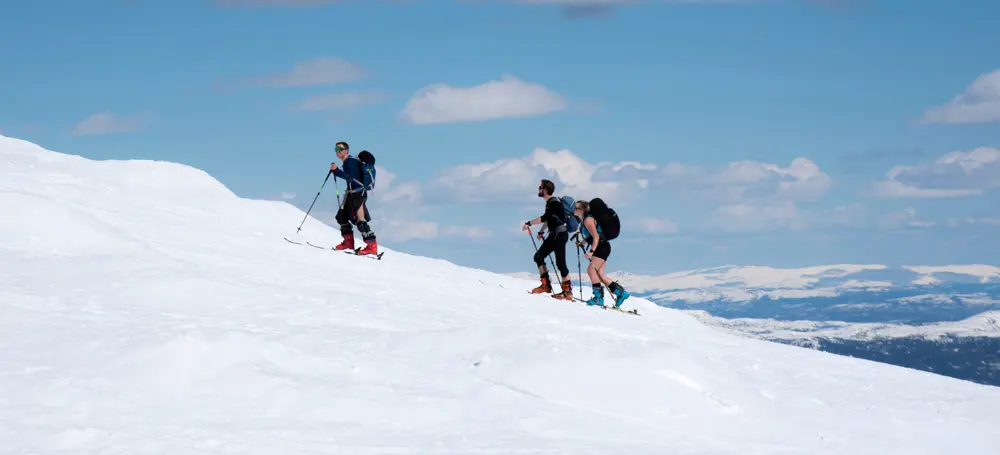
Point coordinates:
pixel 146 309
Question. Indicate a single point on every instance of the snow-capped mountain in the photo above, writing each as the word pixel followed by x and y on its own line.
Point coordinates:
pixel 148 309
pixel 843 292
pixel 740 284
pixel 981 325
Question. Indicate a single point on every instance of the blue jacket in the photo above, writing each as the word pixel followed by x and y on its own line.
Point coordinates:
pixel 351 172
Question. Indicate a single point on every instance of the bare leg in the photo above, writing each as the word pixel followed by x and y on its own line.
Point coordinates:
pixel 600 269
pixel 594 270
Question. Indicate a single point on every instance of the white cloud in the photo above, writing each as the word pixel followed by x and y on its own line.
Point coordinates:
pixel 287 196
pixel 953 175
pixel 317 71
pixel 758 218
pixel 109 123
pixel 516 179
pixel 748 180
pixel 904 218
pixel 468 232
pixel 850 215
pixel 755 196
pixel 955 222
pixel 403 230
pixel 506 98
pixel 656 225
pixel 979 103
pixel 402 193
pixel 388 190
pixel 345 100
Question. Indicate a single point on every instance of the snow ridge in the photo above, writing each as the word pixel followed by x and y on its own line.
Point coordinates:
pixel 147 309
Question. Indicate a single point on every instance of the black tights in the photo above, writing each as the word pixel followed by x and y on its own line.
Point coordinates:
pixel 553 243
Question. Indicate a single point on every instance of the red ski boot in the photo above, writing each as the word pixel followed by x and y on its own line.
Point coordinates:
pixel 347 244
pixel 371 247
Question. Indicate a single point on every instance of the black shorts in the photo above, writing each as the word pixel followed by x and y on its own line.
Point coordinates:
pixel 349 212
pixel 603 250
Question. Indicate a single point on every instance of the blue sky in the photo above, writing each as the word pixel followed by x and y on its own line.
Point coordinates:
pixel 780 133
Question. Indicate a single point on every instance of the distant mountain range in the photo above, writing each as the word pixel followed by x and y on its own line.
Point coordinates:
pixel 844 292
pixel 938 319
pixel 808 333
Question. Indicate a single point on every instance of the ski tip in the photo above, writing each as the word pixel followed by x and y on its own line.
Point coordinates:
pixel 378 256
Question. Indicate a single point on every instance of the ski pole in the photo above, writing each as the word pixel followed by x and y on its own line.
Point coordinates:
pixel 328 174
pixel 554 270
pixel 337 187
pixel 579 271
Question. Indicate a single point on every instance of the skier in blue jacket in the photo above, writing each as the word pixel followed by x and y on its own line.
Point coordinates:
pixel 354 209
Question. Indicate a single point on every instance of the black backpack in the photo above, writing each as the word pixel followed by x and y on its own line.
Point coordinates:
pixel 367 178
pixel 606 218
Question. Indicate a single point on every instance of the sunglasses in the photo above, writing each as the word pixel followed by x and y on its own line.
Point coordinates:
pixel 340 149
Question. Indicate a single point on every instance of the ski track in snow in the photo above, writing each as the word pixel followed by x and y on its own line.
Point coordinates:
pixel 148 310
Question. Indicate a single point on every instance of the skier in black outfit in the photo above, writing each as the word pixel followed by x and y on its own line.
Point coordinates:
pixel 555 220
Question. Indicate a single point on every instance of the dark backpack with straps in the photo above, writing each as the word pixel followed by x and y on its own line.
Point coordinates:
pixel 569 205
pixel 367 178
pixel 606 218
pixel 367 169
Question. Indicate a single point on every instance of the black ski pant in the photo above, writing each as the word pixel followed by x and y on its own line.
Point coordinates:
pixel 554 243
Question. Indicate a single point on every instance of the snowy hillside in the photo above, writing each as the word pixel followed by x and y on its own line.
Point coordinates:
pixel 147 309
pixel 846 292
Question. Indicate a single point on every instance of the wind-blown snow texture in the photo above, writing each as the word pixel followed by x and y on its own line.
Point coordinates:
pixel 147 309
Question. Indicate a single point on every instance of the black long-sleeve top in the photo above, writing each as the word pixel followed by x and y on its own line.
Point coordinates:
pixel 554 214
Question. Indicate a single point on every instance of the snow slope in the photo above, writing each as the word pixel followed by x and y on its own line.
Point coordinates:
pixel 148 310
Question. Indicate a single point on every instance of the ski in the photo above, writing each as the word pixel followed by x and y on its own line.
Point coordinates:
pixel 613 308
pixel 353 252
pixel 291 241
pixel 603 307
pixel 377 257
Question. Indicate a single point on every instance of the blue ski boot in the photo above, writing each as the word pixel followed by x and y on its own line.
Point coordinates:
pixel 598 298
pixel 620 294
